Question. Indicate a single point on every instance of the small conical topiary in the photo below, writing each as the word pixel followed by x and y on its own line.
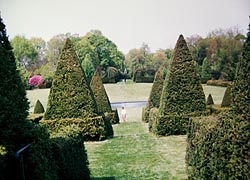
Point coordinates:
pixel 182 92
pixel 241 85
pixel 70 95
pixel 210 100
pixel 155 94
pixel 227 98
pixel 101 97
pixel 38 108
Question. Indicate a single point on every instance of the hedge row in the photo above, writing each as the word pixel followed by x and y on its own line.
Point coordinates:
pixel 218 147
pixel 92 128
pixel 222 83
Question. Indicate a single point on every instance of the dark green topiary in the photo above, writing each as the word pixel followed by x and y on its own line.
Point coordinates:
pixel 210 100
pixel 182 95
pixel 70 95
pixel 241 85
pixel 38 108
pixel 227 98
pixel 182 91
pixel 101 97
pixel 155 94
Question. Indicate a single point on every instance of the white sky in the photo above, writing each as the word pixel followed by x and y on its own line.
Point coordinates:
pixel 128 23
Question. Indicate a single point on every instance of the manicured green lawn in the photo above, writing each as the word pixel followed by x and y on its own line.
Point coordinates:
pixel 134 153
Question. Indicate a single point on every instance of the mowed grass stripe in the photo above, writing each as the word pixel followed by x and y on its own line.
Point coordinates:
pixel 136 154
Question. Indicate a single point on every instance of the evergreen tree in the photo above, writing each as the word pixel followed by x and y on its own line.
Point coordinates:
pixel 210 100
pixel 13 102
pixel 70 95
pixel 182 92
pixel 241 85
pixel 227 98
pixel 38 108
pixel 101 97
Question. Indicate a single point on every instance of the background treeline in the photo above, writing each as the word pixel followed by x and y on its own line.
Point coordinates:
pixel 216 55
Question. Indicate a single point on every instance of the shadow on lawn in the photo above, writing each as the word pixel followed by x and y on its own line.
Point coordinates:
pixel 103 178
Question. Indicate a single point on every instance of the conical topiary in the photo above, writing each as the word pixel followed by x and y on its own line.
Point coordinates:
pixel 182 92
pixel 182 95
pixel 70 95
pixel 13 102
pixel 101 97
pixel 210 100
pixel 227 98
pixel 38 108
pixel 155 94
pixel 241 85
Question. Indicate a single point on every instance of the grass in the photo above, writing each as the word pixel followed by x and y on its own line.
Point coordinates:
pixel 134 153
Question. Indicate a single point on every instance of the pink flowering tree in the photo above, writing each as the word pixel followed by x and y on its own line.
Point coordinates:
pixel 35 80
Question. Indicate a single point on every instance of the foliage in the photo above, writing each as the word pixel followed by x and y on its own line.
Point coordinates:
pixel 112 117
pixel 223 83
pixel 107 51
pixel 101 97
pixel 210 100
pixel 221 49
pixel 38 108
pixel 155 94
pixel 182 90
pixel 241 85
pixel 144 75
pixel 69 153
pixel 205 71
pixel 70 95
pixel 227 98
pixel 35 80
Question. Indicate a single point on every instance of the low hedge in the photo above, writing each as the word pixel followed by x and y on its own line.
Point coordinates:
pixel 170 124
pixel 93 128
pixel 222 83
pixel 112 116
pixel 69 153
pixel 218 147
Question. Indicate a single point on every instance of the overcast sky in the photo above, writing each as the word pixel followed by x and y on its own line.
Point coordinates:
pixel 128 23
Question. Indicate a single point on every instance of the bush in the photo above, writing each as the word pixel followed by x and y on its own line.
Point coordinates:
pixel 222 83
pixel 38 108
pixel 35 80
pixel 218 147
pixel 210 100
pixel 144 75
pixel 92 128
pixel 155 95
pixel 69 153
pixel 227 98
pixel 112 116
pixel 101 97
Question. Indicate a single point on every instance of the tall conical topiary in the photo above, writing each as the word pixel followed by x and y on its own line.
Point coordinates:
pixel 182 91
pixel 13 102
pixel 101 97
pixel 182 95
pixel 241 85
pixel 70 95
pixel 155 94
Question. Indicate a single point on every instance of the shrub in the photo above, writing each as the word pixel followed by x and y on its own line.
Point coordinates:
pixel 227 98
pixel 38 108
pixel 35 80
pixel 92 128
pixel 69 153
pixel 219 82
pixel 144 75
pixel 70 95
pixel 112 116
pixel 155 95
pixel 101 97
pixel 210 100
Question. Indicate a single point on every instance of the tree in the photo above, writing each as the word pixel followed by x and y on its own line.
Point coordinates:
pixel 24 52
pixel 205 71
pixel 70 95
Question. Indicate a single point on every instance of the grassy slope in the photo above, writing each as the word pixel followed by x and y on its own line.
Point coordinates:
pixel 134 153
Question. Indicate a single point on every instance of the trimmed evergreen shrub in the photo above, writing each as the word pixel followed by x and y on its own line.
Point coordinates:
pixel 155 95
pixel 69 153
pixel 70 95
pixel 182 94
pixel 112 116
pixel 101 97
pixel 227 98
pixel 210 100
pixel 38 108
pixel 92 128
